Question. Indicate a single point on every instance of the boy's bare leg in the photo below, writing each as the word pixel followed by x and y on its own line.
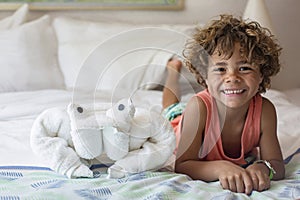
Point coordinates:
pixel 171 91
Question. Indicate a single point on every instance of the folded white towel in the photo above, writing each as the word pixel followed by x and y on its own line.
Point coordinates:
pixel 51 140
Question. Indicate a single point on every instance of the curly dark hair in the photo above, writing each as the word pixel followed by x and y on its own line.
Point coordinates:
pixel 258 46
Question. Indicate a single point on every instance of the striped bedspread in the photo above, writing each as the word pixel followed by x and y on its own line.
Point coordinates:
pixel 34 183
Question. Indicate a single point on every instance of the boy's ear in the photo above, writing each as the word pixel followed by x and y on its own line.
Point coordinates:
pixel 261 78
pixel 206 81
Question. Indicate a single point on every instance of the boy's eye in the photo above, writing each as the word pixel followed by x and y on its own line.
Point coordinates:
pixel 245 68
pixel 219 69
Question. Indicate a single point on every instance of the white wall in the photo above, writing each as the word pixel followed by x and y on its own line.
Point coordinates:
pixel 284 14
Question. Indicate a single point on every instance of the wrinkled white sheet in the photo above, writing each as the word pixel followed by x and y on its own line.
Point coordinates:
pixel 288 116
pixel 19 109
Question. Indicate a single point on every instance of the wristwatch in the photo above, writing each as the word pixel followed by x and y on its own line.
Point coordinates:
pixel 268 164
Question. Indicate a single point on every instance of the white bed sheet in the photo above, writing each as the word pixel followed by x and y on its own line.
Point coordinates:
pixel 18 111
pixel 288 117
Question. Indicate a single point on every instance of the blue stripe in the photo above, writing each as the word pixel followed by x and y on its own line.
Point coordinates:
pixel 26 168
pixel 95 166
pixel 289 158
pixel 20 167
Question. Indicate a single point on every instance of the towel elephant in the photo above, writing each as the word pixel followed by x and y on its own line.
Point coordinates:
pixel 136 139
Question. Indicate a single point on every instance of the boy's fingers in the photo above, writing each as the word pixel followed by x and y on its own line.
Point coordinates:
pixel 248 184
pixel 264 182
pixel 254 181
pixel 240 188
pixel 224 183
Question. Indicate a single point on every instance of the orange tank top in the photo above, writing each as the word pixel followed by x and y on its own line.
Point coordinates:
pixel 212 148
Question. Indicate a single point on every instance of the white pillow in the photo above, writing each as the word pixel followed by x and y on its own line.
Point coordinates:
pixel 18 18
pixel 101 44
pixel 76 39
pixel 28 57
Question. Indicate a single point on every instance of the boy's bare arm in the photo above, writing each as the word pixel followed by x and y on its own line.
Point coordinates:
pixel 269 145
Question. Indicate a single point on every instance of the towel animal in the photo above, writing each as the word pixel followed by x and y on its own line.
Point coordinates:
pixel 135 138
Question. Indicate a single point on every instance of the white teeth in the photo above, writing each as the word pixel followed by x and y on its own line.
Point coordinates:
pixel 233 91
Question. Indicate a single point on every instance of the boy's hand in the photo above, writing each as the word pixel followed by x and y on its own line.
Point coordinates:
pixel 235 178
pixel 260 176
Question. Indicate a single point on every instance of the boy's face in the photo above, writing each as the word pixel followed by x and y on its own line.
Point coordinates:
pixel 232 81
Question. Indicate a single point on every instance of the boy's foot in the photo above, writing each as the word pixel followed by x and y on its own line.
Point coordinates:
pixel 171 92
pixel 174 64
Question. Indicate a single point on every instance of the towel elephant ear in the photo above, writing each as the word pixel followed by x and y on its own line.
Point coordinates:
pixel 122 114
pixel 85 132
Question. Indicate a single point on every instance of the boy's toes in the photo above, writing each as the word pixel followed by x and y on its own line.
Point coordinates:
pixel 175 64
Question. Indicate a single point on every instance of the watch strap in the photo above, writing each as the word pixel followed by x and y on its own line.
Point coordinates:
pixel 268 164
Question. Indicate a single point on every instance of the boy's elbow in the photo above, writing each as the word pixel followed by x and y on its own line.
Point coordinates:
pixel 279 175
pixel 179 167
pixel 280 172
pixel 176 167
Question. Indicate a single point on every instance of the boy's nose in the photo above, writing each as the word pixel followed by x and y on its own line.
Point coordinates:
pixel 232 77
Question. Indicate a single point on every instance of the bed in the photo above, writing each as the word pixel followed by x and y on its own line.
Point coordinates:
pixel 46 76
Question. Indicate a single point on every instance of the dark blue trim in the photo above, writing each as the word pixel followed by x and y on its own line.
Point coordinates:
pixel 95 166
pixel 18 167
pixel 26 168
pixel 289 158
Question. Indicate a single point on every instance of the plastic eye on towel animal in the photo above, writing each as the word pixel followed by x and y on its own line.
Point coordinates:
pixel 121 107
pixel 80 109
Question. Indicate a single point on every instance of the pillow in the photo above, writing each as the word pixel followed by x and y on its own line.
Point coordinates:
pixel 110 55
pixel 277 97
pixel 18 18
pixel 294 95
pixel 76 39
pixel 28 57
